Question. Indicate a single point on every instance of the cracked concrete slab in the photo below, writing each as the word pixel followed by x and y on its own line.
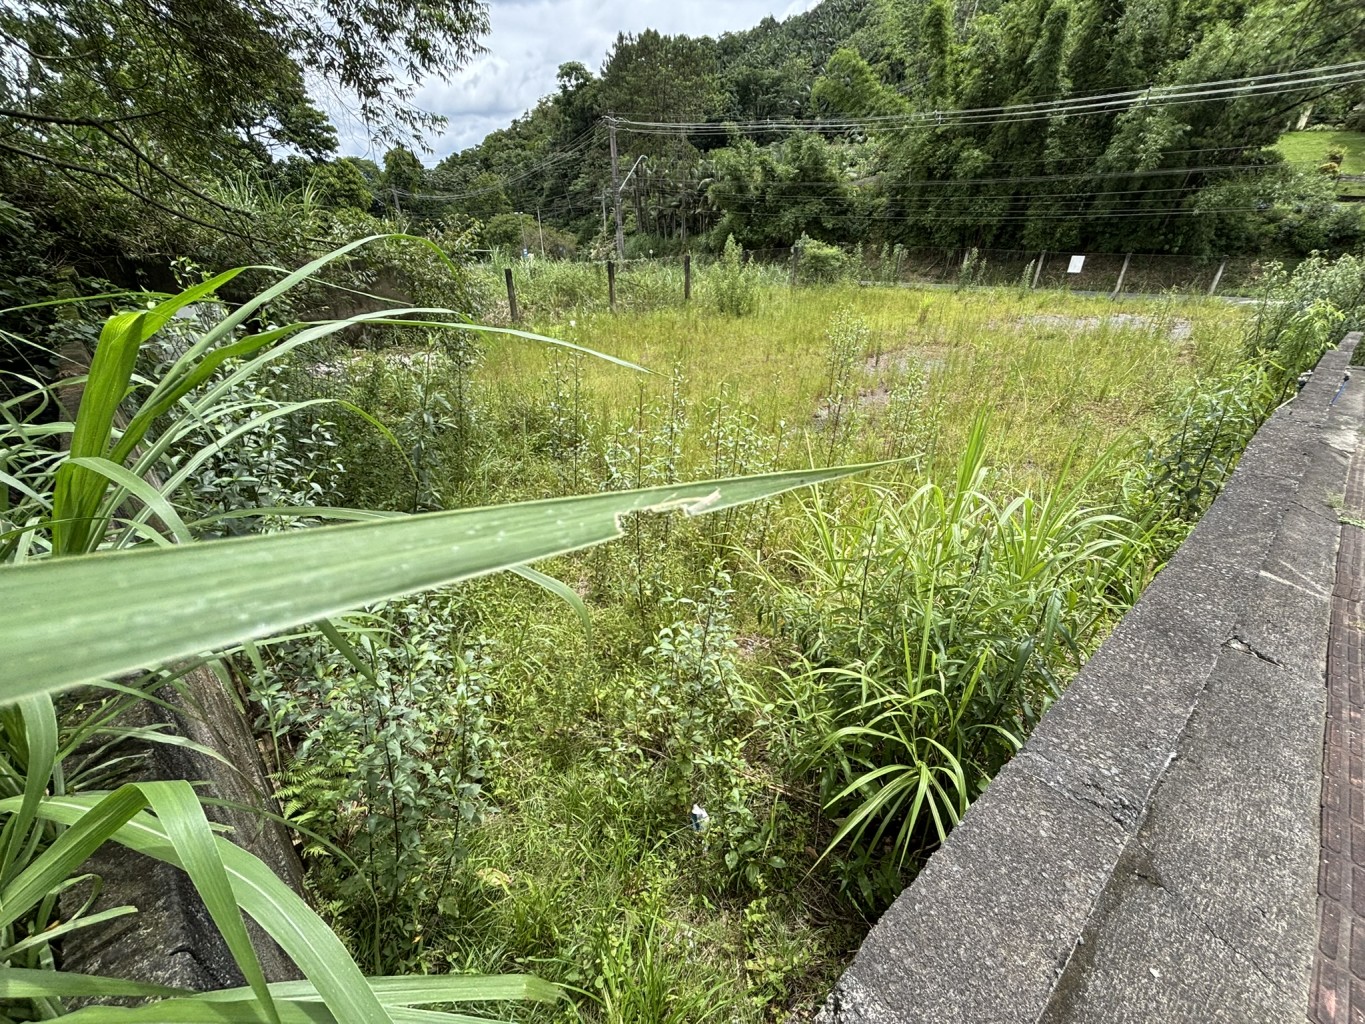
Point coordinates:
pixel 1230 833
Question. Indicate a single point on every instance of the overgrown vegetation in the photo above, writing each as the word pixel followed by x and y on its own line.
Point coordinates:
pixel 671 778
pixel 746 729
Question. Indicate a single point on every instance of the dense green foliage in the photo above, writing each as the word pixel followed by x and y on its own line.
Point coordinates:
pixel 779 710
pixel 1201 176
pixel 132 134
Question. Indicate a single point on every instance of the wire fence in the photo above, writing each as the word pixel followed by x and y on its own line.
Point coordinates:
pixel 654 280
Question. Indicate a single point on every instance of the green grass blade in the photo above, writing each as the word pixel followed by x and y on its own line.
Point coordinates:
pixel 560 589
pixel 410 1015
pixel 344 647
pixel 510 332
pixel 165 397
pixel 144 492
pixel 54 932
pixel 303 936
pixel 199 1010
pixel 181 815
pixel 23 983
pixel 68 852
pixel 78 489
pixel 193 1010
pixel 145 607
pixel 419 989
pixel 41 738
pixel 350 515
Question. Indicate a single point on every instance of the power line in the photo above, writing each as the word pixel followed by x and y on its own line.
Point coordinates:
pixel 977 198
pixel 576 145
pixel 934 217
pixel 1154 96
pixel 794 190
pixel 952 208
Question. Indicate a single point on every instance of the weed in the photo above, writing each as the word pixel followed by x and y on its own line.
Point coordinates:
pixel 733 286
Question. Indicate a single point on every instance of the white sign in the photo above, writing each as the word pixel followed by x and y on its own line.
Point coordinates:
pixel 1076 265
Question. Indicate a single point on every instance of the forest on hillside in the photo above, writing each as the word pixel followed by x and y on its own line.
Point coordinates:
pixel 839 124
pixel 129 138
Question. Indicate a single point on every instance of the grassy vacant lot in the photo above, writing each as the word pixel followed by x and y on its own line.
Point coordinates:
pixel 1057 372
pixel 1309 151
pixel 732 658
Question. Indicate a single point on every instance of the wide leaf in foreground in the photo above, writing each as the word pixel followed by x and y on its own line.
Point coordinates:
pixel 134 609
pixel 332 976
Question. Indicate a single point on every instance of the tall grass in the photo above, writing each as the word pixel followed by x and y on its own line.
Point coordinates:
pixel 602 744
pixel 910 632
pixel 1059 373
pixel 932 629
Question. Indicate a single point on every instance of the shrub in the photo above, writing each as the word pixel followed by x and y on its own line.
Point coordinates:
pixel 387 759
pixel 731 285
pixel 1206 427
pixel 932 633
pixel 973 269
pixel 1303 313
pixel 821 263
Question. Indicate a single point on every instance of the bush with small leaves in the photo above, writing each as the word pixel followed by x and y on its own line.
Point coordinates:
pixel 731 284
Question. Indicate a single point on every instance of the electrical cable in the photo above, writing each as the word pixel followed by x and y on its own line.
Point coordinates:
pixel 1154 96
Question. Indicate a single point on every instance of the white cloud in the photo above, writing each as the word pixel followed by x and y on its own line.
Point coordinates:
pixel 531 38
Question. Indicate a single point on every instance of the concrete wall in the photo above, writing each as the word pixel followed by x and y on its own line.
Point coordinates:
pixel 171 939
pixel 1152 852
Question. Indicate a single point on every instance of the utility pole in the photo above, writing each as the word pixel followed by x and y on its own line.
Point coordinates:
pixel 1123 272
pixel 616 190
pixel 541 228
pixel 1218 276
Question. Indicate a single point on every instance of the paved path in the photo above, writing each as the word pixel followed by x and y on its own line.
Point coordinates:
pixel 1338 992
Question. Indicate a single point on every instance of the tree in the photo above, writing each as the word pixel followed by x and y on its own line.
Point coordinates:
pixel 772 196
pixel 401 185
pixel 342 185
pixel 157 100
pixel 850 86
pixel 655 77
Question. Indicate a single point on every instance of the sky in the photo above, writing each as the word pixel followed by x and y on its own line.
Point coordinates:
pixel 531 38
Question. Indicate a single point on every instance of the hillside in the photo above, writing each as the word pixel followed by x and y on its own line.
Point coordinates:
pixel 933 123
pixel 1310 150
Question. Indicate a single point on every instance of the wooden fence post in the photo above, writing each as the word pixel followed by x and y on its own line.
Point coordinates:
pixel 511 294
pixel 1123 272
pixel 1038 270
pixel 687 277
pixel 611 285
